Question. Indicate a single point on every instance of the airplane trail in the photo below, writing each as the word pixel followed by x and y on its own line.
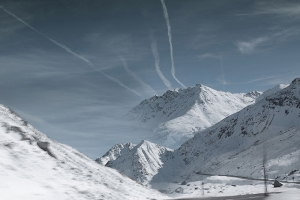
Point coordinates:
pixel 67 49
pixel 137 78
pixel 157 64
pixel 222 78
pixel 170 42
pixel 222 71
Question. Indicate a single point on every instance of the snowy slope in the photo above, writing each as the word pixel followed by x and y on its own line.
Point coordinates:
pixel 35 167
pixel 142 162
pixel 271 91
pixel 175 116
pixel 235 145
pixel 115 152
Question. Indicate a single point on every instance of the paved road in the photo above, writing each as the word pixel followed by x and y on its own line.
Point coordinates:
pixel 248 178
pixel 239 197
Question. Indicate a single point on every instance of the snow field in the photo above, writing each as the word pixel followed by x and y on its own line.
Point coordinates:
pixel 216 186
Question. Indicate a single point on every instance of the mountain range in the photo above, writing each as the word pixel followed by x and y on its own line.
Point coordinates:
pixel 268 129
pixel 237 144
pixel 177 115
pixel 264 127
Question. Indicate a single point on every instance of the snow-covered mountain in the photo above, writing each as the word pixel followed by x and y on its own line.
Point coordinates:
pixel 115 152
pixel 175 116
pixel 140 163
pixel 35 167
pixel 235 145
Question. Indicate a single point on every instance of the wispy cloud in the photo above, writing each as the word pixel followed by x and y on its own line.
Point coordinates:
pixel 208 55
pixel 67 49
pixel 278 8
pixel 285 14
pixel 173 72
pixel 9 25
pixel 108 43
pixel 259 79
pixel 259 43
pixel 157 62
pixel 286 34
pixel 220 79
pixel 285 9
pixel 250 46
pixel 284 78
pixel 147 87
pixel 30 117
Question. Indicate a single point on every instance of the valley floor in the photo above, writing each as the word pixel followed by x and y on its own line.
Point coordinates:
pixel 217 186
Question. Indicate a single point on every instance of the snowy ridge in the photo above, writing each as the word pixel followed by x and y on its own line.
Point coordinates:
pixel 142 162
pixel 115 152
pixel 272 91
pixel 40 168
pixel 175 116
pixel 234 146
pixel 254 94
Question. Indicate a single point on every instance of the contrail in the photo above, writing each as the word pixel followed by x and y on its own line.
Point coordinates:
pixel 136 77
pixel 170 41
pixel 222 70
pixel 157 63
pixel 223 81
pixel 71 52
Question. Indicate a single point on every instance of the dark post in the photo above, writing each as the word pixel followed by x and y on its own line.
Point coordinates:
pixel 202 184
pixel 264 168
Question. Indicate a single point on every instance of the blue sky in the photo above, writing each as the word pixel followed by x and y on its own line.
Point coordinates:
pixel 81 65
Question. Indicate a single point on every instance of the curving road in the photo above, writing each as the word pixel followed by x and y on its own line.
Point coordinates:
pixel 239 197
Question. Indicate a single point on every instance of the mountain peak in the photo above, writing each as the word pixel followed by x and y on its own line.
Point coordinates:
pixel 296 82
pixel 197 88
pixel 144 142
pixel 173 117
pixel 142 162
pixel 253 94
pixel 116 151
